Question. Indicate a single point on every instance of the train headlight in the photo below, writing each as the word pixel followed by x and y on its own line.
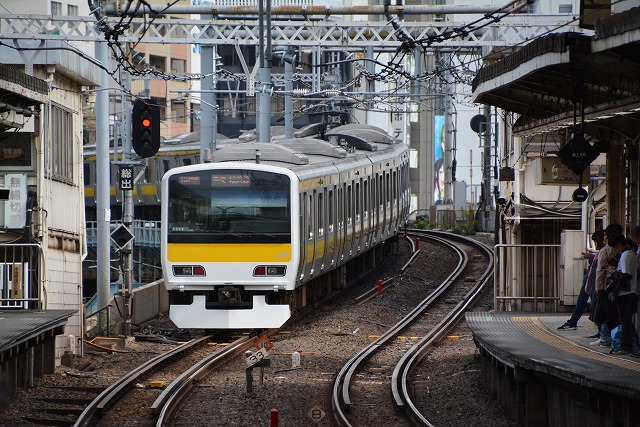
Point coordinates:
pixel 270 270
pixel 188 270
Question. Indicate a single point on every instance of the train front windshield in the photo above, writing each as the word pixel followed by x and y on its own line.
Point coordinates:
pixel 229 206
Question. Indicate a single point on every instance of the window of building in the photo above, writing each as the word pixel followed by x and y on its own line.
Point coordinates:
pixel 72 10
pixel 178 112
pixel 56 8
pixel 565 8
pixel 178 66
pixel 158 63
pixel 61 153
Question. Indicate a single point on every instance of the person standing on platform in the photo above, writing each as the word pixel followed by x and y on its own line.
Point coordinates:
pixel 588 286
pixel 635 237
pixel 625 294
pixel 605 254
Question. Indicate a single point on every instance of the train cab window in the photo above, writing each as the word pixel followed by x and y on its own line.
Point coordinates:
pixel 320 214
pixel 357 202
pixel 330 213
pixel 349 205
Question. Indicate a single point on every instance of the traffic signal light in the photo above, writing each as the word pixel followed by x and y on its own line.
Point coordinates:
pixel 121 236
pixel 145 132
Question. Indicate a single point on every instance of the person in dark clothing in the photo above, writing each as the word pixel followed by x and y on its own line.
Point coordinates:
pixel 586 291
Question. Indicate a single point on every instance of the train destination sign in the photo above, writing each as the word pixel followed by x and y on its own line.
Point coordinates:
pixel 189 180
pixel 226 180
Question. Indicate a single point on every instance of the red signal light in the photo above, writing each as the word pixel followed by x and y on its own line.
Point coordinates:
pixel 146 122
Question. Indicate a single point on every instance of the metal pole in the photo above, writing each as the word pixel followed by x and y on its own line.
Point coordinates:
pixel 288 100
pixel 127 213
pixel 448 130
pixel 264 104
pixel 486 168
pixel 103 249
pixel 208 118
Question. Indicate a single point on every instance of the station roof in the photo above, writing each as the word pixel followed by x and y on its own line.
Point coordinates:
pixel 545 79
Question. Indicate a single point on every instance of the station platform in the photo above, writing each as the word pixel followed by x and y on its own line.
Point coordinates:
pixel 27 345
pixel 543 376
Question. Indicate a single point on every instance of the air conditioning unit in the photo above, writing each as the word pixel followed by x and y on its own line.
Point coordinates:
pixel 562 173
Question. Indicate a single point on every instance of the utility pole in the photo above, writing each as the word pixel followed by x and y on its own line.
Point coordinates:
pixel 486 168
pixel 208 110
pixel 264 85
pixel 103 217
pixel 288 100
pixel 448 129
pixel 127 211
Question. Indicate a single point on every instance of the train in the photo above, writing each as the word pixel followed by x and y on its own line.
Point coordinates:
pixel 246 236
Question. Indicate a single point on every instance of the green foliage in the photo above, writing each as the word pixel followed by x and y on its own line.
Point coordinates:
pixel 466 229
pixel 38 382
pixel 423 224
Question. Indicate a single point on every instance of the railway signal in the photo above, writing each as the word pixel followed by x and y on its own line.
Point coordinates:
pixel 145 128
pixel 122 236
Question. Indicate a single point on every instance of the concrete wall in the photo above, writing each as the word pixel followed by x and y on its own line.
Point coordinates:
pixel 148 301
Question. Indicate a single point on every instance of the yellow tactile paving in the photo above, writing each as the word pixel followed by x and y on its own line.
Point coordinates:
pixel 533 326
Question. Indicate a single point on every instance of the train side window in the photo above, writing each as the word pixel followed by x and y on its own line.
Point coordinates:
pixel 387 189
pixel 186 161
pixel 330 211
pixel 86 171
pixel 394 188
pixel 320 214
pixel 365 200
pixel 310 217
pixel 349 205
pixel 340 208
pixel 357 202
pixel 166 166
pixel 380 193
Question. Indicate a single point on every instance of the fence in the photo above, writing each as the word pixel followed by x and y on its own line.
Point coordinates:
pixel 526 277
pixel 21 275
pixel 147 233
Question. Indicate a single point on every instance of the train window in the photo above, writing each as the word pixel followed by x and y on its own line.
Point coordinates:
pixel 320 214
pixel 186 161
pixel 87 174
pixel 310 217
pixel 395 187
pixel 166 166
pixel 357 202
pixel 387 190
pixel 340 208
pixel 349 205
pixel 380 193
pixel 330 211
pixel 365 200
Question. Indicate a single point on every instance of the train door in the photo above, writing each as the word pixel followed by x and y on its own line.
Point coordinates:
pixel 387 203
pixel 394 200
pixel 332 232
pixel 366 217
pixel 348 245
pixel 357 221
pixel 340 230
pixel 302 220
pixel 381 221
pixel 309 235
pixel 320 240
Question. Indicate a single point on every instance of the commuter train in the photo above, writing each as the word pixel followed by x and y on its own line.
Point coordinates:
pixel 244 235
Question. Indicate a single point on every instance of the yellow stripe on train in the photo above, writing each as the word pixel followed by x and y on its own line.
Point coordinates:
pixel 228 252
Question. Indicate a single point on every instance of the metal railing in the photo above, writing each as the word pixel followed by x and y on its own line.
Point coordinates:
pixel 21 275
pixel 147 233
pixel 526 277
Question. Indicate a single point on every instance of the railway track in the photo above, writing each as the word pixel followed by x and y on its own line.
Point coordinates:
pixel 471 255
pixel 169 399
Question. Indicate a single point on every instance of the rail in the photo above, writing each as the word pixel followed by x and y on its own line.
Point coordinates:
pixel 340 394
pixel 527 277
pixel 21 276
pixel 400 376
pixel 106 397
